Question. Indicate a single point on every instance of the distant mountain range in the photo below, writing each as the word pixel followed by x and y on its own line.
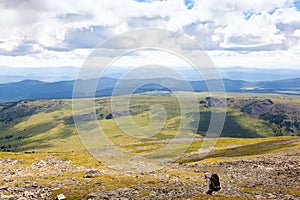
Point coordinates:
pixel 46 74
pixel 56 74
pixel 33 89
pixel 257 74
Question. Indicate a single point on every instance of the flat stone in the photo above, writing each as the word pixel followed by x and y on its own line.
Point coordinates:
pixel 61 197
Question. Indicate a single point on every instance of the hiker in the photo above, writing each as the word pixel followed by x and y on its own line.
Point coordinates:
pixel 212 183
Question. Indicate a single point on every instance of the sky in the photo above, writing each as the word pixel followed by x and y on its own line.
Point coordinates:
pixel 249 33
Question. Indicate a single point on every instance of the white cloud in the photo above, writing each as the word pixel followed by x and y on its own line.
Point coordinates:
pixel 296 33
pixel 259 59
pixel 148 57
pixel 53 31
pixel 258 30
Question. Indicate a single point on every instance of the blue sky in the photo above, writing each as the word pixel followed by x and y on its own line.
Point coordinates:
pixel 297 4
pixel 256 33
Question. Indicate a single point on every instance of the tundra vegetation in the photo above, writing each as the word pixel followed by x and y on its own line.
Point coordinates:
pixel 256 156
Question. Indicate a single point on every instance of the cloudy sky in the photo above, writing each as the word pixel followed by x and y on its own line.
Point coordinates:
pixel 253 33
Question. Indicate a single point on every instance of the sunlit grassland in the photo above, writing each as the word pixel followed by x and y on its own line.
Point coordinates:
pixel 42 132
pixel 247 148
pixel 55 132
pixel 74 185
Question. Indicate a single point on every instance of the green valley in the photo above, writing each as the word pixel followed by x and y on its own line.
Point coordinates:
pixel 43 154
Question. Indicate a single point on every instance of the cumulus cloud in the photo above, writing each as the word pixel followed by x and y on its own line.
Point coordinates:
pixel 296 33
pixel 45 28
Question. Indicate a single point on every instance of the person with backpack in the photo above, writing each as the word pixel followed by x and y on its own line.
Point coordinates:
pixel 212 182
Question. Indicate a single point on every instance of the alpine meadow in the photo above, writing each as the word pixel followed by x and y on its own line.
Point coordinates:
pixel 150 99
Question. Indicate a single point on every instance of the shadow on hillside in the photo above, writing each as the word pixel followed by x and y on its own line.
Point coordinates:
pixel 231 127
pixel 246 150
pixel 31 138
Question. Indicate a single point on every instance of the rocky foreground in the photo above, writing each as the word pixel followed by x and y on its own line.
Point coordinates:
pixel 267 177
pixel 264 177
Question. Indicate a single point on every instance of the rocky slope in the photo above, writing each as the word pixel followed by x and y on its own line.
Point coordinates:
pixel 274 176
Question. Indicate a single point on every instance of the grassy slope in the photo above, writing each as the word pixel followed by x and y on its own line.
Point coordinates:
pixel 42 132
pixel 234 148
pixel 53 132
pixel 111 179
pixel 47 133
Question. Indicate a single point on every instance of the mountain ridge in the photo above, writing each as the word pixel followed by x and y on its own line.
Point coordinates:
pixel 34 89
pixel 65 73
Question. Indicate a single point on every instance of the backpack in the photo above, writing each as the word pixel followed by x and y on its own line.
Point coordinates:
pixel 215 182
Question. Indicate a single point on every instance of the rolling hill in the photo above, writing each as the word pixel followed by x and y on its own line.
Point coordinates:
pixel 43 156
pixel 48 124
pixel 64 73
pixel 33 89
